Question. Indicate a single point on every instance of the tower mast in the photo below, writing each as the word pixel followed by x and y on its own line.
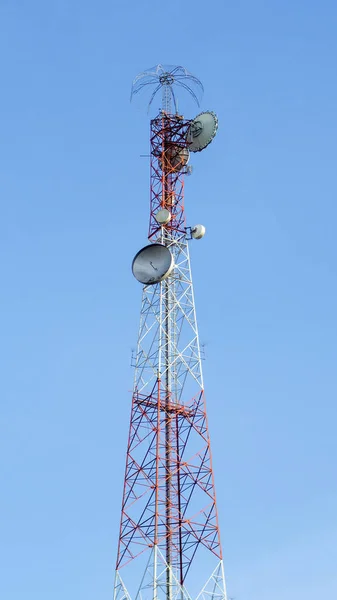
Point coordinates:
pixel 169 541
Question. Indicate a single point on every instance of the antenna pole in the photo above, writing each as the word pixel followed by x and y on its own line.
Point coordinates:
pixel 166 100
pixel 168 284
pixel 168 461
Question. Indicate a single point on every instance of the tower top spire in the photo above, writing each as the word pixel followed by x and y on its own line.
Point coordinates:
pixel 168 78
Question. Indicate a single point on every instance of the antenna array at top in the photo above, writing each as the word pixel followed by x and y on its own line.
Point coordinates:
pixel 166 78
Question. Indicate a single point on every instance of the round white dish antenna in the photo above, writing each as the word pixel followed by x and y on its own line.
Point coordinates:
pixel 174 158
pixel 152 264
pixel 198 232
pixel 163 216
pixel 178 157
pixel 202 131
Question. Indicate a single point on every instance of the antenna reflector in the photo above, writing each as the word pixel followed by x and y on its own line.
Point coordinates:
pixel 198 232
pixel 174 158
pixel 152 264
pixel 202 131
pixel 163 216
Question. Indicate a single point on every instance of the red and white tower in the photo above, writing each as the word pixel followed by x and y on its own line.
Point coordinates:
pixel 169 544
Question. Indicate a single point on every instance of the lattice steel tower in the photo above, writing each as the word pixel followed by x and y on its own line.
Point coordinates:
pixel 169 542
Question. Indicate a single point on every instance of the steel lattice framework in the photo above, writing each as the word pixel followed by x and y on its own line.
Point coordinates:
pixel 169 539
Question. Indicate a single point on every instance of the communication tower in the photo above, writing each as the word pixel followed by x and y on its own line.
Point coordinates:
pixel 169 540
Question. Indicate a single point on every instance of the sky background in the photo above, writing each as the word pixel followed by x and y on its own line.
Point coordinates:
pixel 74 210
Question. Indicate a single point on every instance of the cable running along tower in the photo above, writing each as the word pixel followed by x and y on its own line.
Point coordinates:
pixel 169 541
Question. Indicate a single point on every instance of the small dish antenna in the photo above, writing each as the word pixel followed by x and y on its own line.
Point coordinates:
pixel 175 158
pixel 202 131
pixel 152 264
pixel 198 232
pixel 163 216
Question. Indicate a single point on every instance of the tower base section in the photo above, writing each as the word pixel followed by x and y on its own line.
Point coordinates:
pixel 158 582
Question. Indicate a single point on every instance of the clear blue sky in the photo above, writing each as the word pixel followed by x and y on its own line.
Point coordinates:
pixel 74 210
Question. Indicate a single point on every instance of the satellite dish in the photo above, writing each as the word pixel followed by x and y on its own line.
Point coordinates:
pixel 152 264
pixel 163 216
pixel 174 158
pixel 198 232
pixel 201 131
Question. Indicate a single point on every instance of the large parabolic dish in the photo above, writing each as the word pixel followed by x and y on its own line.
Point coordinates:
pixel 202 131
pixel 152 264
